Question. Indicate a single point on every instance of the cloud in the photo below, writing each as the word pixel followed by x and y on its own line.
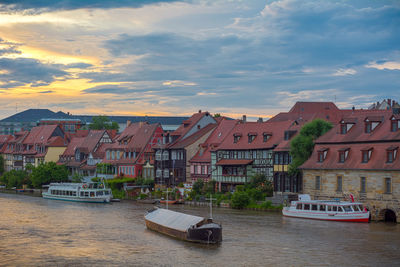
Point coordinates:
pixel 46 5
pixel 24 71
pixel 46 92
pixel 344 72
pixel 388 65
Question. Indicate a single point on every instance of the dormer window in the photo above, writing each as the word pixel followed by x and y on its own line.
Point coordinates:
pixel 266 136
pixel 371 123
pixel 391 154
pixel 394 123
pixel 236 137
pixel 251 137
pixel 346 125
pixel 366 154
pixel 343 154
pixel 322 154
pixel 289 134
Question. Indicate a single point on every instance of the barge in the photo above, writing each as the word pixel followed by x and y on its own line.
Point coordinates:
pixel 183 226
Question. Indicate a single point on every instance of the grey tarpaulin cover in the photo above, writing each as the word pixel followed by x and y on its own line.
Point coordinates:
pixel 172 219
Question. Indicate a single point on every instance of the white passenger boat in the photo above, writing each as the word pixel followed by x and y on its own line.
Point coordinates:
pixel 80 192
pixel 328 210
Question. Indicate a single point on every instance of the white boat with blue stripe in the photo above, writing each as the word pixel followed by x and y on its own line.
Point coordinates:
pixel 79 192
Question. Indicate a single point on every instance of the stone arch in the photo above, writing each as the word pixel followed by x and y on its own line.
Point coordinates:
pixel 388 215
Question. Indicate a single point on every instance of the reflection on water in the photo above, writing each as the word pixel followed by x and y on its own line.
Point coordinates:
pixel 35 231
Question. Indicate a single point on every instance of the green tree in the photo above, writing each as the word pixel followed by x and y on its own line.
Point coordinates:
pixel 15 178
pixel 1 165
pixel 217 115
pixel 198 187
pixel 48 172
pixel 77 178
pixel 103 123
pixel 302 145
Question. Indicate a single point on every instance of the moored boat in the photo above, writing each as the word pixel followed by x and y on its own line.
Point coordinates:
pixel 183 226
pixel 79 192
pixel 329 210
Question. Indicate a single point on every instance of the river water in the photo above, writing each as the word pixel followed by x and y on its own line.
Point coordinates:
pixel 40 232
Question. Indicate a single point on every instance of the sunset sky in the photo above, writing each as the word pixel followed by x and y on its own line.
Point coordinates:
pixel 231 57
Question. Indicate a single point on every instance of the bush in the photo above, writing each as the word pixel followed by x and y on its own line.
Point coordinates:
pixel 240 200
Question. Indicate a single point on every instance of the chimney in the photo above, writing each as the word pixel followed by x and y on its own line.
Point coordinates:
pixel 128 122
pixel 260 119
pixel 389 102
pixel 198 127
pixel 244 118
pixel 199 110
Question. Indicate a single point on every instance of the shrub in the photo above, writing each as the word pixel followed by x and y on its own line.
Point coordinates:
pixel 240 200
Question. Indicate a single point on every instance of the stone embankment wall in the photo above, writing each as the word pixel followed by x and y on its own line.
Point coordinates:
pixel 375 198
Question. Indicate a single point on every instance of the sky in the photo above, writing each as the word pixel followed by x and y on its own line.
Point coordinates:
pixel 173 58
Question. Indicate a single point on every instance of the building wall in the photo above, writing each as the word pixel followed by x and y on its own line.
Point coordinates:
pixel 375 198
pixel 53 153
pixel 191 150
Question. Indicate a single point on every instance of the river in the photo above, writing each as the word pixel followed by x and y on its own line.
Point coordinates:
pixel 40 232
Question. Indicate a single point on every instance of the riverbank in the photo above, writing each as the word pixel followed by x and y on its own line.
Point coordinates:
pixel 28 192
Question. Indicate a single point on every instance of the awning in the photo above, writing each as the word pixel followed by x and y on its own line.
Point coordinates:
pixel 234 162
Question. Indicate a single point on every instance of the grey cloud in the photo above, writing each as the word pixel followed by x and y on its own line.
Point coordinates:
pixel 21 71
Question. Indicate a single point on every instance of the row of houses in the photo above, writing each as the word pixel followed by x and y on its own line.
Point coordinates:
pixel 358 156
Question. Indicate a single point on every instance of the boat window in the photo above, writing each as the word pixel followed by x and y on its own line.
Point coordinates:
pixel 94 185
pixel 355 208
pixel 361 207
pixel 91 194
pixel 86 194
pixel 74 194
pixel 322 207
pixel 82 194
pixel 329 208
pixel 340 209
pixel 314 207
pixel 306 206
pixel 334 208
pixel 106 193
pixel 299 206
pixel 99 193
pixel 347 209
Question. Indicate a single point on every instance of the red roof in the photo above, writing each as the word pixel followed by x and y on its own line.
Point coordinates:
pixel 40 134
pixel 276 128
pixel 189 123
pixel 75 142
pixel 192 138
pixel 214 140
pixel 357 131
pixel 354 158
pixel 355 141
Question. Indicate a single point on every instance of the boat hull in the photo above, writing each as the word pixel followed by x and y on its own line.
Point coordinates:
pixel 354 217
pixel 76 199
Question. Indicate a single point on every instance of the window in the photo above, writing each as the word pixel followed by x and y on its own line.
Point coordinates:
pixel 314 207
pixel 368 127
pixel 364 156
pixel 251 137
pixel 320 156
pixel 343 128
pixel 158 155
pixel 363 185
pixel 322 207
pixel 391 154
pixel 342 156
pixel 158 173
pixel 339 184
pixel 394 125
pixel 343 153
pixel 388 185
pixel 236 137
pixel 317 182
pixel 266 137
pixel 299 206
pixel 306 206
pixel 165 155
